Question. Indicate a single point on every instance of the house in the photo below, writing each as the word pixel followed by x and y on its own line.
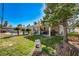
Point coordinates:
pixel 7 29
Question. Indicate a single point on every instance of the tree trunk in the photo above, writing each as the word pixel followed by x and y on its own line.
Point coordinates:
pixel 18 32
pixel 23 32
pixel 65 31
pixel 28 32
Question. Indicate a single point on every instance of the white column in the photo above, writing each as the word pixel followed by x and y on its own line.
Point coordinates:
pixel 61 32
pixel 49 31
pixel 39 31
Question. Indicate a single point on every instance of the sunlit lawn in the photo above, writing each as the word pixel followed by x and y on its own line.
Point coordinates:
pixel 15 46
pixel 23 45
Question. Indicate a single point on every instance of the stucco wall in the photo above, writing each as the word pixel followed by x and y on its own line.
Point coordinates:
pixel 76 29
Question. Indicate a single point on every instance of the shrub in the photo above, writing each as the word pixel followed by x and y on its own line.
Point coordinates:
pixel 73 34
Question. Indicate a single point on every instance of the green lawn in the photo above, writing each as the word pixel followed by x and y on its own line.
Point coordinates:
pixel 23 45
pixel 15 46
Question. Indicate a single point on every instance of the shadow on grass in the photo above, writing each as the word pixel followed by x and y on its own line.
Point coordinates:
pixel 10 36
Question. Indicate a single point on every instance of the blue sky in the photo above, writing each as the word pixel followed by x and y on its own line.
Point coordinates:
pixel 23 13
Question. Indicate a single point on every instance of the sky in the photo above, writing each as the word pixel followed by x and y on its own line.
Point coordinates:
pixel 22 13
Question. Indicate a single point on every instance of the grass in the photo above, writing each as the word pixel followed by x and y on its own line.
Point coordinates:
pixel 73 34
pixel 20 46
pixel 23 45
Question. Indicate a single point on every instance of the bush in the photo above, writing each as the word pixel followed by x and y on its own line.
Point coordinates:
pixel 50 51
pixel 73 34
pixel 48 42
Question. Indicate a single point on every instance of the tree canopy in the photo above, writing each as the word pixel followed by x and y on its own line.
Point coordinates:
pixel 59 14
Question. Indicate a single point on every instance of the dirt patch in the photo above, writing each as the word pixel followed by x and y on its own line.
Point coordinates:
pixel 73 39
pixel 67 49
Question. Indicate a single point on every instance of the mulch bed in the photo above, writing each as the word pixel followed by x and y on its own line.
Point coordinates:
pixel 67 49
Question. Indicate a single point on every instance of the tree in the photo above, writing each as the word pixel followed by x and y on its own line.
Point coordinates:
pixel 19 26
pixel 46 21
pixel 60 13
pixel 28 30
pixel 35 23
pixel 10 26
pixel 77 25
pixel 0 25
pixel 5 24
pixel 17 29
pixel 23 30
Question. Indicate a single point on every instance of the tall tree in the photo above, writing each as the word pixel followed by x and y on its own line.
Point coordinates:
pixel 60 13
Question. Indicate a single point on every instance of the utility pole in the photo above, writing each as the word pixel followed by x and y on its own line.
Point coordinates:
pixel 2 17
